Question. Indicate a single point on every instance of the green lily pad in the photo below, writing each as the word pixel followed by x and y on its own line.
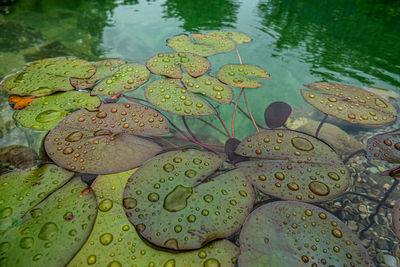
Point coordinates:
pixel 288 233
pixel 171 206
pixel 128 77
pixel 170 64
pixel 293 166
pixel 60 222
pixel 105 141
pixel 22 190
pixel 238 37
pixel 46 76
pixel 114 242
pixel 104 69
pixel 205 44
pixel 170 95
pixel 384 147
pixel 46 112
pixel 238 75
pixel 210 87
pixel 350 103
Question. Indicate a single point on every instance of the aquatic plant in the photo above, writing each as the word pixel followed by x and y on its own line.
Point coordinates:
pixel 169 198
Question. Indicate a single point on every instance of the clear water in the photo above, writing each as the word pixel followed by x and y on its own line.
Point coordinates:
pixel 298 42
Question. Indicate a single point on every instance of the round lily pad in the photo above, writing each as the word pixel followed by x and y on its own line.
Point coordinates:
pixel 170 95
pixel 276 114
pixel 238 75
pixel 350 103
pixel 104 141
pixel 205 44
pixel 210 87
pixel 238 37
pixel 46 76
pixel 115 242
pixel 170 64
pixel 384 147
pixel 104 69
pixel 128 77
pixel 288 233
pixel 51 231
pixel 46 112
pixel 396 218
pixel 293 166
pixel 22 190
pixel 171 206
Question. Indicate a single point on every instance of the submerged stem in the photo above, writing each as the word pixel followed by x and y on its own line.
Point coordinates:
pixel 234 113
pixel 320 125
pixel 248 109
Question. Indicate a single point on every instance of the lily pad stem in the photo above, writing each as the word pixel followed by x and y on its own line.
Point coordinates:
pixel 353 154
pixel 188 129
pixel 219 118
pixel 234 113
pixel 209 124
pixel 248 108
pixel 320 125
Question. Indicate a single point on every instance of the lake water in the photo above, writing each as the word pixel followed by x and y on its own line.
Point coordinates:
pixel 299 42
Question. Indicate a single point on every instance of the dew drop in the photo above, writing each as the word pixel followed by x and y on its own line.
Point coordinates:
pixel 319 188
pixel 302 143
pixel 208 198
pixel 48 115
pixel 106 205
pixel 168 167
pixel 190 173
pixel 106 239
pixel 171 243
pixel 129 203
pixel 26 242
pixel 169 263
pixel 91 259
pixel 334 176
pixel 74 136
pixel 6 212
pixel 48 231
pixel 153 197
pixel 177 199
pixel 211 263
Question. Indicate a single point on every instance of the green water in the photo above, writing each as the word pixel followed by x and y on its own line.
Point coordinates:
pixel 354 42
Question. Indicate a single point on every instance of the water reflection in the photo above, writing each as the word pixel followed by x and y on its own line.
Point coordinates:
pixel 197 16
pixel 357 39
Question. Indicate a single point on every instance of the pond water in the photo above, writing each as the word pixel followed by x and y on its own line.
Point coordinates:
pixel 298 42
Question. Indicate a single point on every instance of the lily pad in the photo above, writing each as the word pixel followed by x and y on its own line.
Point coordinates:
pixel 238 75
pixel 238 37
pixel 128 77
pixel 170 95
pixel 396 218
pixel 350 103
pixel 171 206
pixel 384 147
pixel 104 69
pixel 46 76
pixel 210 87
pixel 114 242
pixel 46 112
pixel 276 114
pixel 293 166
pixel 61 222
pixel 22 190
pixel 288 233
pixel 170 64
pixel 205 44
pixel 104 141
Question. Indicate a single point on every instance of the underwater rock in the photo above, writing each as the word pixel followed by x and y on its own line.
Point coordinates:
pixel 341 141
pixel 20 157
pixel 15 37
pixel 54 49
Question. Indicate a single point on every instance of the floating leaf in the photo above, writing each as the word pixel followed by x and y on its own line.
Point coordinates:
pixel 350 103
pixel 293 166
pixel 238 37
pixel 276 114
pixel 46 76
pixel 170 205
pixel 46 112
pixel 396 218
pixel 169 64
pixel 238 75
pixel 171 96
pixel 384 147
pixel 20 102
pixel 210 87
pixel 114 242
pixel 53 230
pixel 103 141
pixel 128 77
pixel 287 233
pixel 22 190
pixel 104 69
pixel 205 44
pixel 20 157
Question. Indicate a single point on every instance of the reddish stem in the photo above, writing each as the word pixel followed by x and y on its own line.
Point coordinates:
pixel 209 124
pixel 234 113
pixel 237 52
pixel 248 109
